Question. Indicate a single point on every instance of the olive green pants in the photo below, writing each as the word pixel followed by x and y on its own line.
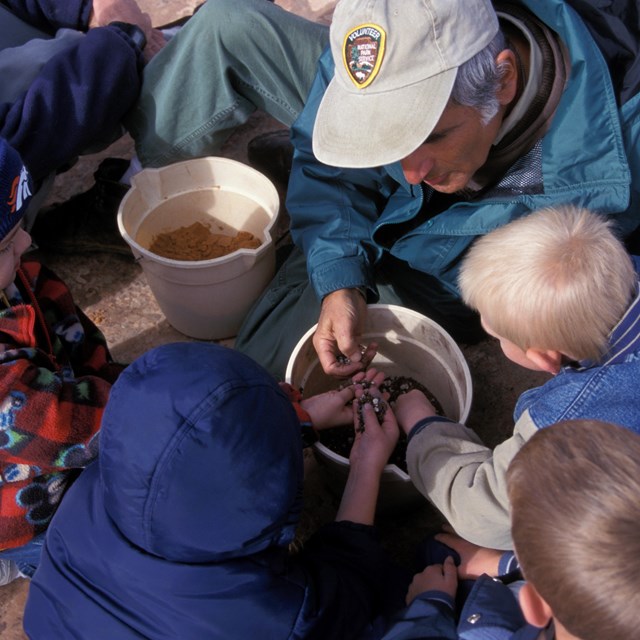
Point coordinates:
pixel 230 59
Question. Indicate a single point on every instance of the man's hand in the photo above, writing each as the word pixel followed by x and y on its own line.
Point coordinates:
pixel 107 11
pixel 411 407
pixel 337 338
pixel 436 577
pixel 474 560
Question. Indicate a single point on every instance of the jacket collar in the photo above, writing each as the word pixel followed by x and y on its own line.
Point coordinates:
pixel 624 338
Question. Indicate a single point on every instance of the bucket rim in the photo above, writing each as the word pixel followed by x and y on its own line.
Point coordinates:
pixel 406 311
pixel 145 253
pixel 388 469
pixel 392 469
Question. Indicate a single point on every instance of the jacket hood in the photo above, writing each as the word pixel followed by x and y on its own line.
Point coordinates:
pixel 200 455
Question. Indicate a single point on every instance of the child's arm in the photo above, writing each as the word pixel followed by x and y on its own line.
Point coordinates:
pixel 411 409
pixel 474 560
pixel 330 409
pixel 461 476
pixel 430 606
pixel 102 64
pixel 322 411
pixel 54 385
pixel 370 452
pixel 436 577
pixel 51 16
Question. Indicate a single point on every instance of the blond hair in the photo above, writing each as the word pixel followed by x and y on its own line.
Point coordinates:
pixel 574 490
pixel 558 278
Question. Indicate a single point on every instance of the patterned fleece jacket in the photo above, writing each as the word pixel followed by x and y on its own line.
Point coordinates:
pixel 55 376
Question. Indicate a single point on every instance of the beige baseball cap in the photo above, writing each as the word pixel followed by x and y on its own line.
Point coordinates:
pixel 395 64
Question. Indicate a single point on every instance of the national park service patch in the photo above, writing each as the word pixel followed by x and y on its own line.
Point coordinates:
pixel 362 53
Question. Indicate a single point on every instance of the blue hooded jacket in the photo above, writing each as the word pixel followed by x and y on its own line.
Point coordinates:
pixel 79 96
pixel 181 528
pixel 590 156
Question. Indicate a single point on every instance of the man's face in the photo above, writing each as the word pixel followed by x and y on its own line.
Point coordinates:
pixel 455 150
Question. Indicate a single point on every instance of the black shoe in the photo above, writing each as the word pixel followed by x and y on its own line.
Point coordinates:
pixel 87 222
pixel 272 153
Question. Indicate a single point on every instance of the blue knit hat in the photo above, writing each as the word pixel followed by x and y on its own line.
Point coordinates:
pixel 16 188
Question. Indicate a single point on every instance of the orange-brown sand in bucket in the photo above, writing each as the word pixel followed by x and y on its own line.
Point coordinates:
pixel 199 242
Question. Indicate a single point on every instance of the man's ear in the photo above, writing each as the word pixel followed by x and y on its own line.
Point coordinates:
pixel 534 608
pixel 509 81
pixel 545 359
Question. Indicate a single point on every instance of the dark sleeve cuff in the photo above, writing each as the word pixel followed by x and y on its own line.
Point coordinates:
pixel 508 563
pixel 133 32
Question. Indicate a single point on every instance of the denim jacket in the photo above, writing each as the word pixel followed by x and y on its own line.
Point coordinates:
pixel 466 480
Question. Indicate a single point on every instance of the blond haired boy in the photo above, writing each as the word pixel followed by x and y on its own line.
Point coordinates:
pixel 559 291
pixel 574 490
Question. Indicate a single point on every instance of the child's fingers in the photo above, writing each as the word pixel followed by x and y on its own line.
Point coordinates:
pixel 449 569
pixel 450 539
pixel 346 394
pixel 364 417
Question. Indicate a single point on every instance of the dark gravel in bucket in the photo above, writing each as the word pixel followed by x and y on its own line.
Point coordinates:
pixel 340 439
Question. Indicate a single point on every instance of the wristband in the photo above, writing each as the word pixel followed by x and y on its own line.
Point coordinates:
pixel 133 31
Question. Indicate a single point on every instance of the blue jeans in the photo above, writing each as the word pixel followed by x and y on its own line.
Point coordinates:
pixel 27 557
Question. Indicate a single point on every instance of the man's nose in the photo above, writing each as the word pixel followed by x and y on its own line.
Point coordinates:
pixel 417 166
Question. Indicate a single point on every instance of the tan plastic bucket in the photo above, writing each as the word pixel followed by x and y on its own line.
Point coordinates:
pixel 205 299
pixel 411 345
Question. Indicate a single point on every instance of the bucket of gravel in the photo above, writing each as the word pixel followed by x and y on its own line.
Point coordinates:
pixel 177 217
pixel 413 350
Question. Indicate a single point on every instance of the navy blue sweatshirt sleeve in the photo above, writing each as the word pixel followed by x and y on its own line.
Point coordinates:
pixel 354 581
pixel 50 15
pixel 80 95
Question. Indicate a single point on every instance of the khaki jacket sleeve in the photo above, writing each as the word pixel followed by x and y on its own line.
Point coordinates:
pixel 466 480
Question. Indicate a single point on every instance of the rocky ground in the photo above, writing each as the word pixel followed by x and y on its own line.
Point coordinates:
pixel 113 291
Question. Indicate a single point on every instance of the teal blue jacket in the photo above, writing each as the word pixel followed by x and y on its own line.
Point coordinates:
pixel 589 157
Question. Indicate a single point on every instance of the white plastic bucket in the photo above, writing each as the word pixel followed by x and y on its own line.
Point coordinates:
pixel 204 299
pixel 409 345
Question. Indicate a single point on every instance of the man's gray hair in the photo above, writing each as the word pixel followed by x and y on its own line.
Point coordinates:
pixel 478 80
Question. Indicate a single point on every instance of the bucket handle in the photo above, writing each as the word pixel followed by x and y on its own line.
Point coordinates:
pixel 150 188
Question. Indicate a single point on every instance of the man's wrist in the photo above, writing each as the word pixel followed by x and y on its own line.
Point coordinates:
pixel 362 291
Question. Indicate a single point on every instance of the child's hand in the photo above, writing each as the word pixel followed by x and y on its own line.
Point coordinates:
pixel 330 409
pixel 376 434
pixel 436 577
pixel 370 377
pixel 474 560
pixel 410 408
pixel 333 408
